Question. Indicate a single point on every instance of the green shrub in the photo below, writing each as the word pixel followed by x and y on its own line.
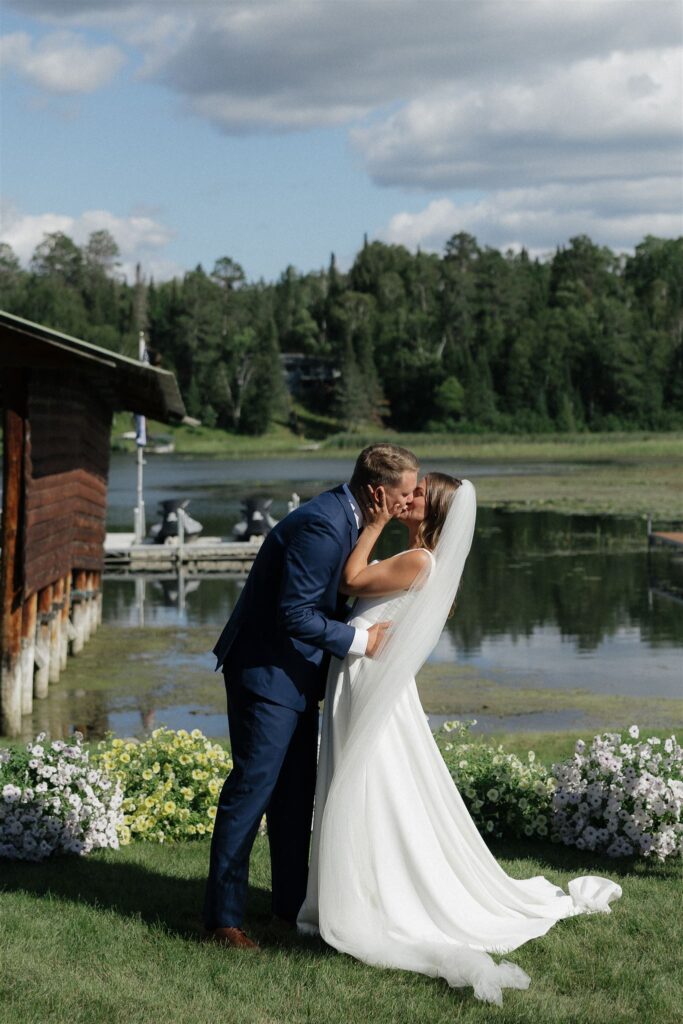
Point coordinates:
pixel 171 783
pixel 505 796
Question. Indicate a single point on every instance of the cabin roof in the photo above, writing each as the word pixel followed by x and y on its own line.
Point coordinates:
pixel 125 383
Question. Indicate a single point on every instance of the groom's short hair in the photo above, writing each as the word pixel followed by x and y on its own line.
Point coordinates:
pixel 382 464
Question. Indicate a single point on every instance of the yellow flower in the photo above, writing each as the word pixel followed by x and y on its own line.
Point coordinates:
pixel 169 807
pixel 185 759
pixel 124 835
pixel 187 792
pixel 200 828
pixel 211 812
pixel 116 744
pixel 148 774
pixel 196 734
pixel 149 801
pixel 156 767
pixel 183 813
pixel 125 758
pixel 191 830
pixel 214 786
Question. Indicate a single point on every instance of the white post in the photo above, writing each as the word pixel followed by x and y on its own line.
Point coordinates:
pixel 140 525
pixel 140 599
pixel 181 536
pixel 140 528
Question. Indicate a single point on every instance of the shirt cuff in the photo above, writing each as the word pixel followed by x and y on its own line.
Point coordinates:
pixel 359 644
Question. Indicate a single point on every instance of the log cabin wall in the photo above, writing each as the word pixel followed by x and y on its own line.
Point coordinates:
pixel 66 470
pixel 57 462
pixel 57 395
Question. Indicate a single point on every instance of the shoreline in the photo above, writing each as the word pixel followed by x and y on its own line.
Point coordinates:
pixel 189 688
pixel 637 475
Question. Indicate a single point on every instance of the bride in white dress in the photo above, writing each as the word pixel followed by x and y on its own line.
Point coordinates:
pixel 399 874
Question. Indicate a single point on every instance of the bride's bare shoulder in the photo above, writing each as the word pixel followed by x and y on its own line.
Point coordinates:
pixel 419 557
pixel 390 575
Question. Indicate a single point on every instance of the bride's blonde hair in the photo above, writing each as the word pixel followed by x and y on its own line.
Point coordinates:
pixel 439 491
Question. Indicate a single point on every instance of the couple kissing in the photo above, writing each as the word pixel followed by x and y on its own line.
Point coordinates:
pixel 389 867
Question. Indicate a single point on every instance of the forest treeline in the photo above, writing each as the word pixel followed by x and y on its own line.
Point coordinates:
pixel 469 340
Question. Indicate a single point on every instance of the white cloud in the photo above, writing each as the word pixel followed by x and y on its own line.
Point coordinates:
pixel 566 115
pixel 619 115
pixel 141 238
pixel 617 213
pixel 61 62
pixel 284 64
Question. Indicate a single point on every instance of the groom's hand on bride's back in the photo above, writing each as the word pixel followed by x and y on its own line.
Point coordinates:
pixel 377 637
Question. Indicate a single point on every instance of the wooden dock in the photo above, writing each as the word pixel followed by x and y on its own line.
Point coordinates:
pixel 210 555
pixel 666 538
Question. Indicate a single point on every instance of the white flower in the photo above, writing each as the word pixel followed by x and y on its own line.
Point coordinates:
pixel 634 731
pixel 72 810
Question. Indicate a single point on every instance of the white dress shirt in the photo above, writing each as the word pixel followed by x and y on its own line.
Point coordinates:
pixel 359 644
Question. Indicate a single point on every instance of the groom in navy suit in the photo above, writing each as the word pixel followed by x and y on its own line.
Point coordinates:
pixel 274 653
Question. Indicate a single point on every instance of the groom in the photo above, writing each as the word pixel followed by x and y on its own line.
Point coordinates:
pixel 274 653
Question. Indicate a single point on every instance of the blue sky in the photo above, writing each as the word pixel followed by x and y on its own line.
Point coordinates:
pixel 277 132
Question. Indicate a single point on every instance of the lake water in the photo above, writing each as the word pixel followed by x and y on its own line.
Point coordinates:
pixel 563 602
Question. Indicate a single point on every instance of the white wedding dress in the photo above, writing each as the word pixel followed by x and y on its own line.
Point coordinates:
pixel 399 874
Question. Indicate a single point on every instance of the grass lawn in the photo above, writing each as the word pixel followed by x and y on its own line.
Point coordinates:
pixel 115 937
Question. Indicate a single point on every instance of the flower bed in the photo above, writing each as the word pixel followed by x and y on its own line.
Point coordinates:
pixel 622 798
pixel 54 800
pixel 615 797
pixel 171 783
pixel 506 796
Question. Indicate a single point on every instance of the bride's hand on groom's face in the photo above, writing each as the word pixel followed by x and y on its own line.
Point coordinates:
pixel 377 512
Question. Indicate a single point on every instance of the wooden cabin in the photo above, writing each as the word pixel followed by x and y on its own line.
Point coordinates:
pixel 58 395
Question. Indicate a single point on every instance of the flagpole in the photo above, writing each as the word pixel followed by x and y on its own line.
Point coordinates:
pixel 141 440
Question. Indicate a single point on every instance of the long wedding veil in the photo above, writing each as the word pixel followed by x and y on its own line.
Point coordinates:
pixel 418 618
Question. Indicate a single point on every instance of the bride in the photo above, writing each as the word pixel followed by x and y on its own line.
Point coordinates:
pixel 399 875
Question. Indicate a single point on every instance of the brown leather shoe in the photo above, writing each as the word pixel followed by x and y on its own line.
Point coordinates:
pixel 233 937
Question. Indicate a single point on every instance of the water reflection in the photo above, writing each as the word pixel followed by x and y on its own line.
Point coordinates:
pixel 557 600
pixel 564 602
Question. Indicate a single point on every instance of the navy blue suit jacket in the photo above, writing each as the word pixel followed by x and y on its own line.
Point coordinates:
pixel 285 621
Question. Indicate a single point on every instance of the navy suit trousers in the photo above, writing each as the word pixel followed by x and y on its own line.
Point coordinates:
pixel 274 752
